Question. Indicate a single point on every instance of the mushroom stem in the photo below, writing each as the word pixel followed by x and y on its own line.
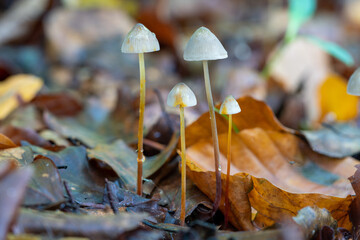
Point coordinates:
pixel 183 167
pixel 214 136
pixel 228 173
pixel 140 157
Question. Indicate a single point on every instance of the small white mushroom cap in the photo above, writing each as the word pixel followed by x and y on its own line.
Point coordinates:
pixel 140 40
pixel 204 45
pixel 353 86
pixel 230 106
pixel 181 95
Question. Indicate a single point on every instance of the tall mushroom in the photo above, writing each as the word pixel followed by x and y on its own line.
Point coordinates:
pixel 140 40
pixel 204 46
pixel 229 107
pixel 182 96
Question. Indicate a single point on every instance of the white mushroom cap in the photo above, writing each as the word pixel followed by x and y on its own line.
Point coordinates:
pixel 230 106
pixel 140 40
pixel 204 45
pixel 181 95
pixel 353 86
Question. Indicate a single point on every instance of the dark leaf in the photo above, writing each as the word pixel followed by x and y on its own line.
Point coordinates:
pixel 12 187
pixel 67 224
pixel 136 203
pixel 83 180
pixel 70 128
pixel 24 134
pixel 122 160
pixel 59 104
pixel 45 188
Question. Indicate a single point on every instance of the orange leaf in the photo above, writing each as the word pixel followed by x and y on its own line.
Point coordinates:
pixel 267 175
pixel 6 142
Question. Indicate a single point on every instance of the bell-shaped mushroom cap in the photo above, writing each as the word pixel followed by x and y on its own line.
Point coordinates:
pixel 230 106
pixel 204 45
pixel 353 86
pixel 140 40
pixel 181 95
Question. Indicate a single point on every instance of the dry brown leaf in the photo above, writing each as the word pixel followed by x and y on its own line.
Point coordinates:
pixel 266 171
pixel 6 142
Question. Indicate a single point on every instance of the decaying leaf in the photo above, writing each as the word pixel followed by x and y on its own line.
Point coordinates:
pixel 122 160
pixel 336 140
pixel 85 183
pixel 354 211
pixel 194 197
pixel 12 187
pixel 134 203
pixel 17 89
pixel 312 219
pixel 45 187
pixel 6 142
pixel 58 104
pixel 25 134
pixel 70 128
pixel 68 224
pixel 269 170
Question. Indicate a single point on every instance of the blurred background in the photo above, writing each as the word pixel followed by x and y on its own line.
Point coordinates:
pixel 74 46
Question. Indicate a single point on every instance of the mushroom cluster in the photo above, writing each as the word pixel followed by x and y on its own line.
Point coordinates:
pixel 202 46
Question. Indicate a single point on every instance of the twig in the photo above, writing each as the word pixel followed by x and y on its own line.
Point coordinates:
pixel 156 145
pixel 71 199
pixel 111 197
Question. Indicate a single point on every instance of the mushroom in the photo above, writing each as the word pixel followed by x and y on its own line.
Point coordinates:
pixel 203 46
pixel 353 86
pixel 140 40
pixel 182 96
pixel 229 107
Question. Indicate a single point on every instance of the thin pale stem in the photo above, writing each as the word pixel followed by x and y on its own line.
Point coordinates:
pixel 227 207
pixel 183 167
pixel 214 136
pixel 140 156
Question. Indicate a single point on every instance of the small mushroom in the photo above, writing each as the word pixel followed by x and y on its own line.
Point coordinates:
pixel 353 86
pixel 140 40
pixel 203 46
pixel 182 96
pixel 229 107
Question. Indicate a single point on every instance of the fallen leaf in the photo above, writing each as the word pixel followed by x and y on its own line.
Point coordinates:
pixel 60 104
pixel 269 171
pixel 12 187
pixel 354 210
pixel 45 188
pixel 194 197
pixel 25 117
pixel 69 224
pixel 135 203
pixel 313 219
pixel 333 99
pixel 122 159
pixel 17 89
pixel 6 142
pixel 312 64
pixel 71 128
pixel 336 140
pixel 85 183
pixel 24 134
